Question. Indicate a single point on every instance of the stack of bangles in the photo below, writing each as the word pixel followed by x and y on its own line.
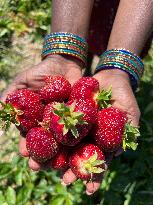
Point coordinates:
pixel 65 43
pixel 124 60
pixel 76 46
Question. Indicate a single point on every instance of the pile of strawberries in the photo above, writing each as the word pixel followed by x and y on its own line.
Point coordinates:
pixel 69 126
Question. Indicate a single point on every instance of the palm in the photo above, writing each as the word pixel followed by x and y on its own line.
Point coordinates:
pixel 33 78
pixel 122 94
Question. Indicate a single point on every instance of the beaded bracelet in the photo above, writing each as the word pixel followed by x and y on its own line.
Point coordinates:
pixel 65 43
pixel 124 60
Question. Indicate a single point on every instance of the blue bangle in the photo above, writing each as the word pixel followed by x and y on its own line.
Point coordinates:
pixel 65 43
pixel 123 60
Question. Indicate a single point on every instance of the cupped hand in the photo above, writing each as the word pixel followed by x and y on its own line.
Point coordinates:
pixel 33 78
pixel 122 95
pixel 122 98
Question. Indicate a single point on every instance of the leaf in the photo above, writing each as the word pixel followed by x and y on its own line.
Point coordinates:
pixel 98 162
pixel 93 158
pixel 130 137
pixel 24 194
pixel 2 198
pixel 59 188
pixel 96 170
pixel 59 200
pixel 77 115
pixel 18 177
pixel 104 98
pixel 65 130
pixel 5 170
pixel 10 196
pixel 75 132
pixel 149 108
pixel 68 201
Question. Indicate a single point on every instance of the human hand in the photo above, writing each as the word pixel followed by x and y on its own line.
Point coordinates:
pixel 122 94
pixel 123 99
pixel 33 79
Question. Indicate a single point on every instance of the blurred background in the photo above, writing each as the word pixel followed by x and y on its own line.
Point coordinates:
pixel 129 180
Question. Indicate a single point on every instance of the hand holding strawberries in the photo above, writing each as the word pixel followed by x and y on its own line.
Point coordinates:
pixel 33 79
pixel 74 120
pixel 122 94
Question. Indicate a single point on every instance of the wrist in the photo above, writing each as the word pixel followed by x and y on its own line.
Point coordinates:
pixel 114 72
pixel 109 78
pixel 70 60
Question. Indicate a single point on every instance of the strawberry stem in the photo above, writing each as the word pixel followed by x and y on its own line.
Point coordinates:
pixel 69 118
pixel 92 165
pixel 8 114
pixel 130 136
pixel 104 97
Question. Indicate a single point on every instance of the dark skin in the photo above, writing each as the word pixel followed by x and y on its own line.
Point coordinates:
pixel 74 16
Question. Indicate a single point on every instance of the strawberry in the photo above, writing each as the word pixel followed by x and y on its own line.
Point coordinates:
pixel 87 162
pixel 47 115
pixel 61 159
pixel 41 144
pixel 56 88
pixel 88 88
pixel 109 132
pixel 72 121
pixel 23 108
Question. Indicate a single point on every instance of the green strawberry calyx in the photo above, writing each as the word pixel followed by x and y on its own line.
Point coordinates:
pixel 69 118
pixel 130 137
pixel 8 114
pixel 92 165
pixel 103 98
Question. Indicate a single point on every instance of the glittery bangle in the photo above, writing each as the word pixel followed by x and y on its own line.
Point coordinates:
pixel 124 60
pixel 65 43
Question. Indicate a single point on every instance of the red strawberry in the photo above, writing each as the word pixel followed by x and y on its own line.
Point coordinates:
pixel 47 115
pixel 61 159
pixel 24 108
pixel 109 132
pixel 72 121
pixel 88 88
pixel 87 162
pixel 56 88
pixel 41 144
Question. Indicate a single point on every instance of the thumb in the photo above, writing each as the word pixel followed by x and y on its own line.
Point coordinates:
pixel 10 89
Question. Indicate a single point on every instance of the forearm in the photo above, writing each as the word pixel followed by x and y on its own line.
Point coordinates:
pixel 132 25
pixel 71 16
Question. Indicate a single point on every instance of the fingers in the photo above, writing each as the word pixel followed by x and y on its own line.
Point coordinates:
pixel 10 89
pixel 24 152
pixel 22 147
pixel 34 165
pixel 92 187
pixel 68 177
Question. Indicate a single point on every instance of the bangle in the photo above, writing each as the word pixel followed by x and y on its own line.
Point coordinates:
pixel 124 60
pixel 65 43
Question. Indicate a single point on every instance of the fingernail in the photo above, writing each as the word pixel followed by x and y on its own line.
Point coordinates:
pixel 89 193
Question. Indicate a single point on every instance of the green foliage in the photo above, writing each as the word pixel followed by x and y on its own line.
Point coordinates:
pixel 24 16
pixel 17 19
